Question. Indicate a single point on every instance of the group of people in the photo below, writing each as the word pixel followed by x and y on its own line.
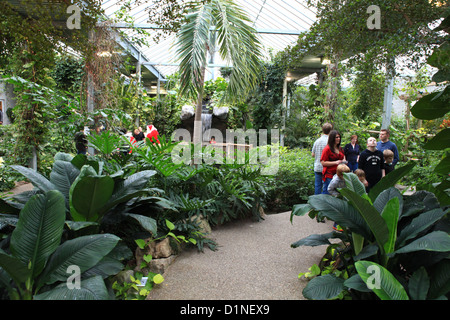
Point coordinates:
pixel 139 135
pixel 331 160
pixel 81 142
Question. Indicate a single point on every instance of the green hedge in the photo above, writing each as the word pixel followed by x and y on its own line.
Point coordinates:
pixel 294 180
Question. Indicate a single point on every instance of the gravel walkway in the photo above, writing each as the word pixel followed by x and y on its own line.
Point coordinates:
pixel 254 261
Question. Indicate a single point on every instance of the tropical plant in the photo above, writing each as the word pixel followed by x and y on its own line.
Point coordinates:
pixel 38 266
pixel 89 196
pixel 225 23
pixel 138 288
pixel 436 105
pixel 398 237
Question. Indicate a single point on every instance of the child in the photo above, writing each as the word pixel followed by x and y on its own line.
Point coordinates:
pixel 338 180
pixel 362 177
pixel 388 160
pixel 371 161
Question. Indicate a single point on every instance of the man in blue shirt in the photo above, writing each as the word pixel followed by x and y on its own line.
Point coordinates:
pixel 385 143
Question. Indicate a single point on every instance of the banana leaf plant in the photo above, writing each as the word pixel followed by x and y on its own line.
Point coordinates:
pixel 88 195
pixel 37 266
pixel 405 239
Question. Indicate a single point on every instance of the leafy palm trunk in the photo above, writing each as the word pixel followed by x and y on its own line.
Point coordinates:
pixel 198 134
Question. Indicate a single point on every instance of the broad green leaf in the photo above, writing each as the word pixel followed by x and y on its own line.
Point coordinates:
pixel 14 267
pixel 131 187
pixel 384 197
pixel 390 180
pixel 147 223
pixel 381 281
pixel 418 285
pixel 157 279
pixel 440 141
pixel 84 252
pixel 366 252
pixel 353 183
pixel 81 160
pixel 89 194
pixel 390 215
pixel 441 76
pixel 372 217
pixel 441 55
pixel 93 288
pixel 443 167
pixel 419 224
pixel 355 282
pixel 300 210
pixel 324 287
pixel 39 230
pixel 38 180
pixel 106 267
pixel 170 225
pixel 140 243
pixel 63 175
pixel 435 241
pixel 341 212
pixel 313 240
pixel 61 156
pixel 358 242
pixel 432 106
pixel 7 208
pixel 440 280
pixel 419 201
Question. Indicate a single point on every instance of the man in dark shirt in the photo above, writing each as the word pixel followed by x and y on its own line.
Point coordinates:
pixel 371 161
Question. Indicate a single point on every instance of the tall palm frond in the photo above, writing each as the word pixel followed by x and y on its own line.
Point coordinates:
pixel 192 44
pixel 237 44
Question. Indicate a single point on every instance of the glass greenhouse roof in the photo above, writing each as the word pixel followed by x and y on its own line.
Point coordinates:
pixel 278 23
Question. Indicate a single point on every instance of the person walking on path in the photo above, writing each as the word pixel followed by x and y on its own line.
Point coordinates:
pixel 371 161
pixel 351 152
pixel 332 156
pixel 385 143
pixel 317 149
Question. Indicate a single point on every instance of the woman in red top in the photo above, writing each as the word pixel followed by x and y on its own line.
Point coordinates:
pixel 332 156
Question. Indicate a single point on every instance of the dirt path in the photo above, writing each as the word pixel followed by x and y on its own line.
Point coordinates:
pixel 254 262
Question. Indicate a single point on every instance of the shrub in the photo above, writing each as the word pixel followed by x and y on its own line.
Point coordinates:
pixel 394 247
pixel 294 181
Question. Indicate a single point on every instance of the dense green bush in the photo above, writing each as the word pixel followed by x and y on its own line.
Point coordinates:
pixel 394 247
pixel 293 182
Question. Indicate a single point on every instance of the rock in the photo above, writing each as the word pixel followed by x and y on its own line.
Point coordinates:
pixel 163 249
pixel 124 276
pixel 187 112
pixel 160 265
pixel 204 228
pixel 163 253
pixel 221 112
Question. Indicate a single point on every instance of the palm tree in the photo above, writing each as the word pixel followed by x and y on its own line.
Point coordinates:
pixel 237 43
